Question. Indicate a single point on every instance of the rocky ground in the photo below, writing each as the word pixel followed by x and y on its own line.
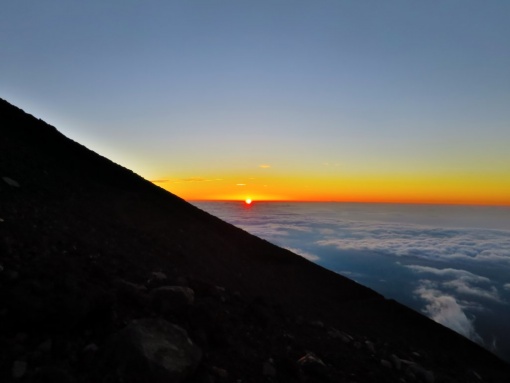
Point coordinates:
pixel 106 278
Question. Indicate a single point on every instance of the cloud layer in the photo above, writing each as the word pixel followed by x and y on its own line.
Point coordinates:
pixel 446 309
pixel 423 242
pixel 462 282
pixel 439 263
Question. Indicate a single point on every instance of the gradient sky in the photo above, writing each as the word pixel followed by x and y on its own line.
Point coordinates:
pixel 397 101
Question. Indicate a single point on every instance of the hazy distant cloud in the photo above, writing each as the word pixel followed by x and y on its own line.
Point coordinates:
pixel 264 166
pixel 462 282
pixel 448 272
pixel 407 241
pixel 506 286
pixel 326 231
pixel 416 241
pixel 240 184
pixel 463 287
pixel 446 310
pixel 304 254
pixel 271 231
pixel 194 179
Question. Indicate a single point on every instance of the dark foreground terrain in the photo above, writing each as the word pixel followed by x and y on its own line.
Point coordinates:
pixel 105 277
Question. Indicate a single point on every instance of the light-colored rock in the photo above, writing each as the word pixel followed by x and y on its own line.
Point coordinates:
pixel 11 182
pixel 422 373
pixel 312 365
pixel 131 292
pixel 397 363
pixel 220 289
pixel 19 369
pixel 310 358
pixel 152 350
pixel 158 276
pixel 317 324
pixel 386 363
pixel 91 347
pixel 341 335
pixel 370 346
pixel 219 372
pixel 429 376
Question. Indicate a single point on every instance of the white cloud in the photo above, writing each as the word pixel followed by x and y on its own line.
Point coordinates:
pixel 506 286
pixel 446 310
pixel 448 272
pixel 350 274
pixel 304 254
pixel 415 241
pixel 462 282
pixel 463 287
pixel 326 231
pixel 270 231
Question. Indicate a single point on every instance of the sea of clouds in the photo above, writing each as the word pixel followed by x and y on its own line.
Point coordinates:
pixel 451 263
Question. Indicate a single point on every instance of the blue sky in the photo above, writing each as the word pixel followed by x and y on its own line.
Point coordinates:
pixel 188 89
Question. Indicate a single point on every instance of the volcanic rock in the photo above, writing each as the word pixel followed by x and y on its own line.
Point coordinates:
pixel 167 299
pixel 152 350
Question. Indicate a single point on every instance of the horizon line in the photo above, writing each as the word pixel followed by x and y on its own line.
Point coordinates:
pixel 356 202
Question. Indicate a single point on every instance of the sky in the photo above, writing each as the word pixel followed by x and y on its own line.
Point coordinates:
pixel 380 101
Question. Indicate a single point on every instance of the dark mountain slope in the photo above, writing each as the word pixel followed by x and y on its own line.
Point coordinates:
pixel 84 243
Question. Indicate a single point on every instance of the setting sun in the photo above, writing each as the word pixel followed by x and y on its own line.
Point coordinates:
pixel 248 201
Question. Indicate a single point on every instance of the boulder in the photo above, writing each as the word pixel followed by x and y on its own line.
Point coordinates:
pixel 128 292
pixel 268 369
pixel 313 365
pixel 397 363
pixel 151 350
pixel 421 373
pixel 337 334
pixel 158 276
pixel 370 346
pixel 168 299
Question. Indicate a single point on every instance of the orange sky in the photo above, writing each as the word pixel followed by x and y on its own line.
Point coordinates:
pixel 440 189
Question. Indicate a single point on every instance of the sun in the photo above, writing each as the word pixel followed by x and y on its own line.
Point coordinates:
pixel 248 201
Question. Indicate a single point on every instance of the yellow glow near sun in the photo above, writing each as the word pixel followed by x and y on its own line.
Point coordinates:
pixel 445 188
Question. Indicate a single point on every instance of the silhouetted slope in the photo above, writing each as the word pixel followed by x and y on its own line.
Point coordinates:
pixel 79 226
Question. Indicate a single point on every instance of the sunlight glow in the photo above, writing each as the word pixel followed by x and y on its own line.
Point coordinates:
pixel 450 188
